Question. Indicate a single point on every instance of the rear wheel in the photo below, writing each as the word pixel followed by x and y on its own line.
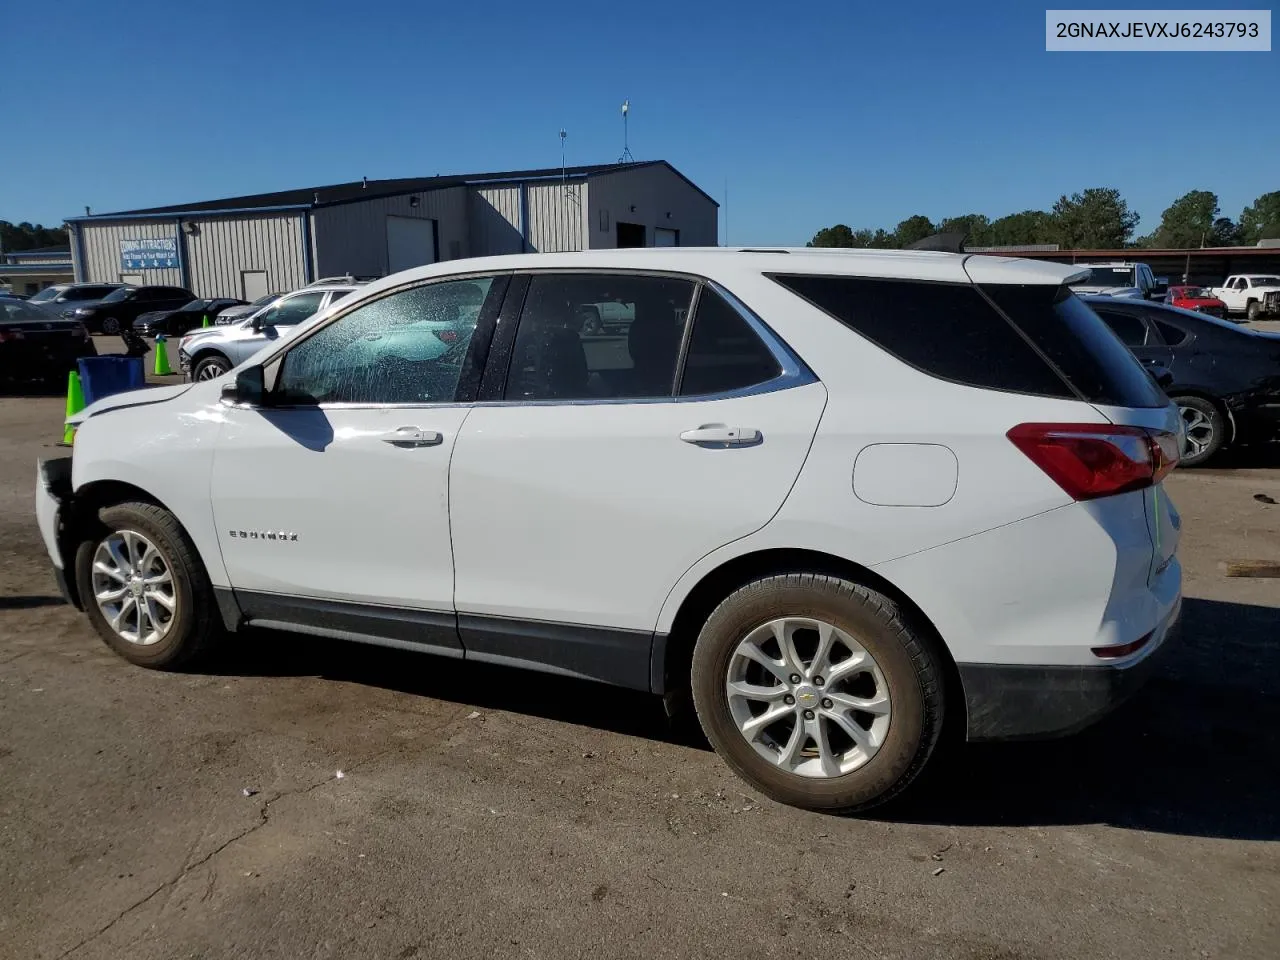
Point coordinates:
pixel 1203 429
pixel 1253 311
pixel 145 590
pixel 111 326
pixel 817 692
pixel 210 367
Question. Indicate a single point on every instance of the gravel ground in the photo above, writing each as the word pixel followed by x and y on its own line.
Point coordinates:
pixel 483 813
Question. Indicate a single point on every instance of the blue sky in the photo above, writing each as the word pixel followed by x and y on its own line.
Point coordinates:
pixel 813 113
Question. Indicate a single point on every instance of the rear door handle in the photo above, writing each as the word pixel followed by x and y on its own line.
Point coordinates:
pixel 412 437
pixel 718 436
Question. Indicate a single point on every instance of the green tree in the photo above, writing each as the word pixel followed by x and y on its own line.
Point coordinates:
pixel 840 235
pixel 1188 222
pixel 26 236
pixel 1029 226
pixel 1224 233
pixel 975 226
pixel 1261 221
pixel 1098 218
pixel 912 229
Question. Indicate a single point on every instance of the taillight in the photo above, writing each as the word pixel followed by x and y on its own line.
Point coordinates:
pixel 1091 460
pixel 10 335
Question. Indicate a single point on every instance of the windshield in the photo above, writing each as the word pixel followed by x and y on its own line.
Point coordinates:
pixel 123 293
pixel 48 293
pixel 1107 277
pixel 1192 293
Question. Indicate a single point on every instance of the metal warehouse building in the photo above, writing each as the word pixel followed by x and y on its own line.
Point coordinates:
pixel 248 246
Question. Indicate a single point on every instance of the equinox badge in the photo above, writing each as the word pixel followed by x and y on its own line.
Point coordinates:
pixel 263 535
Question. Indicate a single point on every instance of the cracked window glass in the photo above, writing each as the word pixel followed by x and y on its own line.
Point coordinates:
pixel 408 347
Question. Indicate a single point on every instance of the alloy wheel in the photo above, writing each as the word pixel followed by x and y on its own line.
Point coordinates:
pixel 133 587
pixel 1197 432
pixel 808 697
pixel 111 326
pixel 211 370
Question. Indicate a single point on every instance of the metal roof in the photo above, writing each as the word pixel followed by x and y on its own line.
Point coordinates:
pixel 357 190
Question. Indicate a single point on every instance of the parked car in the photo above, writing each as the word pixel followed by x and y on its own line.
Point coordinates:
pixel 1226 378
pixel 1120 279
pixel 1198 299
pixel 65 298
pixel 231 315
pixel 191 316
pixel 208 354
pixel 38 344
pixel 121 307
pixel 840 497
pixel 1252 295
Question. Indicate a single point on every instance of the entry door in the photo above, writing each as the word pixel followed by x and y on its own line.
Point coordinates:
pixel 664 237
pixel 254 284
pixel 410 243
pixel 337 487
pixel 585 489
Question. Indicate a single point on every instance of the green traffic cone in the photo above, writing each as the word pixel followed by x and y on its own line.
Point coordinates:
pixel 162 368
pixel 75 403
pixel 206 321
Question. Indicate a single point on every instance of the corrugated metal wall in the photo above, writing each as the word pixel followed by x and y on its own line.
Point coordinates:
pixel 557 217
pixel 495 221
pixel 661 198
pixel 221 249
pixel 102 250
pixel 352 238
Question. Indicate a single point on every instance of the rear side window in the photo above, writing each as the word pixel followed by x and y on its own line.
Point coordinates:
pixel 1072 336
pixel 1130 329
pixel 1172 335
pixel 947 330
pixel 724 352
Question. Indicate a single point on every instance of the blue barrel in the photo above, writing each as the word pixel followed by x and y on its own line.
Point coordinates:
pixel 103 376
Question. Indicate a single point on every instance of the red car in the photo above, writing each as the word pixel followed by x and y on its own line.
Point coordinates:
pixel 1198 299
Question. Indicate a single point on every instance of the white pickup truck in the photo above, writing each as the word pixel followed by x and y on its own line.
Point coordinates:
pixel 1255 295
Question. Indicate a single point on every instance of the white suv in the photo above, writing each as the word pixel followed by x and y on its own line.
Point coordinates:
pixel 208 354
pixel 842 497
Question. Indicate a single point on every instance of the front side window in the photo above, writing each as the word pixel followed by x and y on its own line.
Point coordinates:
pixel 291 312
pixel 598 336
pixel 408 347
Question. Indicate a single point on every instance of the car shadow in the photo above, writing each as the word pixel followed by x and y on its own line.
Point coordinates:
pixel 24 389
pixel 1253 456
pixel 1194 753
pixel 30 602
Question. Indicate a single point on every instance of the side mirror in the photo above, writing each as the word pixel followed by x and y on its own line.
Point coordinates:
pixel 1164 378
pixel 247 388
pixel 257 323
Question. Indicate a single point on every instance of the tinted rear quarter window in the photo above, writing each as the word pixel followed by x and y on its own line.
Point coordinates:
pixel 1078 343
pixel 724 352
pixel 1172 335
pixel 1130 329
pixel 947 330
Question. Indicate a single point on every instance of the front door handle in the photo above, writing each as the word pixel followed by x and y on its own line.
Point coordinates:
pixel 412 437
pixel 718 436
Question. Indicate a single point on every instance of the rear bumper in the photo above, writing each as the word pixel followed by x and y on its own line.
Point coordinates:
pixel 1021 701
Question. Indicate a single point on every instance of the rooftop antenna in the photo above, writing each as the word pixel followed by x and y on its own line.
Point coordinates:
pixel 626 150
pixel 564 179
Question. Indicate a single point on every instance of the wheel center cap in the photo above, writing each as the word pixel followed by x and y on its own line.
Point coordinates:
pixel 807 696
pixel 135 586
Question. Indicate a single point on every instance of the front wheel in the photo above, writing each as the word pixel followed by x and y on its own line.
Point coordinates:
pixel 144 588
pixel 111 326
pixel 817 691
pixel 210 368
pixel 1203 429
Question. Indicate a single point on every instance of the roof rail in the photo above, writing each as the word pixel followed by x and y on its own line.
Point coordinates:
pixel 941 243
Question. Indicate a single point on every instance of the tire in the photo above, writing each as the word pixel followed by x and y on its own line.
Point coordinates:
pixel 1209 426
pixel 111 326
pixel 210 367
pixel 194 624
pixel 1253 311
pixel 901 663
